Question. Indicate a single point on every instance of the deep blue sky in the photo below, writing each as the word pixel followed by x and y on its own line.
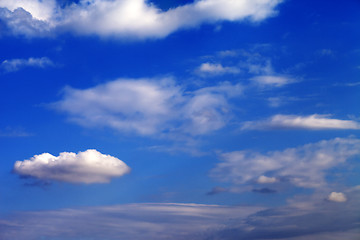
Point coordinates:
pixel 211 112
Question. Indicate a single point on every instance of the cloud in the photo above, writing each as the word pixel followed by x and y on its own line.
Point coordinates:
pixel 272 81
pixel 337 197
pixel 84 167
pixel 131 221
pixel 14 132
pixel 211 69
pixel 264 190
pixel 303 166
pixel 150 106
pixel 128 18
pixel 217 190
pixel 188 221
pixel 310 122
pixel 265 179
pixel 13 65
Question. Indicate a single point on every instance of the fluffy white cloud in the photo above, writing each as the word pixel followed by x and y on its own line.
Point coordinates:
pixel 84 167
pixel 304 166
pixel 312 122
pixel 13 65
pixel 150 106
pixel 134 18
pixel 40 10
pixel 215 69
pixel 337 197
pixel 265 179
pixel 272 81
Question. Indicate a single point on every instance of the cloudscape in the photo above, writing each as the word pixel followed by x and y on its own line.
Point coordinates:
pixel 179 120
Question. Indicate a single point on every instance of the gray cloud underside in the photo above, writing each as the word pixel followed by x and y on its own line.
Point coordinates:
pixel 187 221
pixel 126 18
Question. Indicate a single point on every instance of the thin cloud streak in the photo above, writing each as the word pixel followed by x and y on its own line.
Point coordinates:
pixel 13 65
pixel 310 122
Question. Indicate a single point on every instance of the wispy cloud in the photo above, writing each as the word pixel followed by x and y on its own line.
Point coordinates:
pixel 150 106
pixel 13 65
pixel 272 80
pixel 14 132
pixel 179 221
pixel 131 221
pixel 127 18
pixel 311 122
pixel 213 69
pixel 84 167
pixel 303 166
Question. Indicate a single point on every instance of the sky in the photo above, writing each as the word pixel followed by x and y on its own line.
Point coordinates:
pixel 182 119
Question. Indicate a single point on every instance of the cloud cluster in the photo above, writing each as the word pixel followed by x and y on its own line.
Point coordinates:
pixel 126 18
pixel 13 65
pixel 304 166
pixel 131 221
pixel 89 166
pixel 150 106
pixel 311 122
pixel 189 221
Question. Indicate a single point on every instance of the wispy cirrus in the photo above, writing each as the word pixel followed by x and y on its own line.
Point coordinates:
pixel 150 106
pixel 13 65
pixel 310 122
pixel 321 219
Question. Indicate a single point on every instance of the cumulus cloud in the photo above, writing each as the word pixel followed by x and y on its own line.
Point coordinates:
pixel 211 69
pixel 129 18
pixel 89 166
pixel 150 106
pixel 337 197
pixel 304 166
pixel 13 65
pixel 311 122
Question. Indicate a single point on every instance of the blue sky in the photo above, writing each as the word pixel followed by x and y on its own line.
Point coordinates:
pixel 209 119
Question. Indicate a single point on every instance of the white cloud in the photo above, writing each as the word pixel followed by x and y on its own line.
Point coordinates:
pixel 130 18
pixel 150 106
pixel 40 10
pixel 13 65
pixel 84 167
pixel 311 122
pixel 265 179
pixel 215 69
pixel 337 197
pixel 304 166
pixel 272 81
